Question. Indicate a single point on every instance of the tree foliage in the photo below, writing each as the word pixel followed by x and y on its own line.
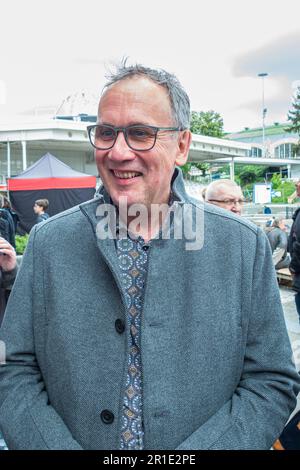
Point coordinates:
pixel 21 243
pixel 247 174
pixel 276 181
pixel 287 188
pixel 294 116
pixel 207 123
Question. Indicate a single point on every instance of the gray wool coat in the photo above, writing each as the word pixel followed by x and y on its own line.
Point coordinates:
pixel 216 358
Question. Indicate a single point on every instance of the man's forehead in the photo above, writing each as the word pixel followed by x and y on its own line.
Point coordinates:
pixel 136 95
pixel 229 191
pixel 135 85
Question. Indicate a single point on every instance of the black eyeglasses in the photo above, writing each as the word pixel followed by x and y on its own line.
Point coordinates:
pixel 138 137
pixel 228 202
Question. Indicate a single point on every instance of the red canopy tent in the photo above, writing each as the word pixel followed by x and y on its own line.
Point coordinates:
pixel 51 179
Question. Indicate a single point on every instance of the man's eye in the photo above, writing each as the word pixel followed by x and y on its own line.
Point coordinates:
pixel 105 133
pixel 140 133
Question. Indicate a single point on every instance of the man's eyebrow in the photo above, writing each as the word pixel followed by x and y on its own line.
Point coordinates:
pixel 133 123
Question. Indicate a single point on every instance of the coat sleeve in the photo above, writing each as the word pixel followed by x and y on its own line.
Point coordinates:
pixel 266 394
pixel 7 278
pixel 27 419
pixel 295 260
pixel 295 245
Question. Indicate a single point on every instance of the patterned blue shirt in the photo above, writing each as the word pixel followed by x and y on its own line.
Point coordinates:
pixel 133 260
pixel 133 257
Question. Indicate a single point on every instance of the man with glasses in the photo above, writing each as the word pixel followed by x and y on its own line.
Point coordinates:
pixel 226 194
pixel 119 337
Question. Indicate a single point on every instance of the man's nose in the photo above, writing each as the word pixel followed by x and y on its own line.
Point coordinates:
pixel 121 150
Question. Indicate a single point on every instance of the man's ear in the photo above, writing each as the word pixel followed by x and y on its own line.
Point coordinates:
pixel 184 143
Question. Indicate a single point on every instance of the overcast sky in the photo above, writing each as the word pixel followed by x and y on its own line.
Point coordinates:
pixel 52 49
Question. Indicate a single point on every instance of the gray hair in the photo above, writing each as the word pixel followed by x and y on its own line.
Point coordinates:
pixel 214 187
pixel 179 100
pixel 276 222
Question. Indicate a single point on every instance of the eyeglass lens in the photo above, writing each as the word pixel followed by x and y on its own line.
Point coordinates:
pixel 233 201
pixel 137 137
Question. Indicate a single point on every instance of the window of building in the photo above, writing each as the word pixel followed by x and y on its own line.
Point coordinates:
pixel 256 152
pixel 284 151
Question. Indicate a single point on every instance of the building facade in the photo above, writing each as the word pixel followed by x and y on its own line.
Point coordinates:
pixel 66 138
pixel 277 144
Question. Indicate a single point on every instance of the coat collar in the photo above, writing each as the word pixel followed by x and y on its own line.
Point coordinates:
pixel 296 213
pixel 89 208
pixel 94 211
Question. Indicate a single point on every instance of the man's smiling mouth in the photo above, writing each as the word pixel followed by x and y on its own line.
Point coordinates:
pixel 126 174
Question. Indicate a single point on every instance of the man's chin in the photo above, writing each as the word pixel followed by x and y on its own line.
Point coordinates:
pixel 127 201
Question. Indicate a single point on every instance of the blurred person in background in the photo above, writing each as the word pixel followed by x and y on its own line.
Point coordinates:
pixel 8 271
pixel 14 215
pixel 226 194
pixel 9 232
pixel 278 239
pixel 40 207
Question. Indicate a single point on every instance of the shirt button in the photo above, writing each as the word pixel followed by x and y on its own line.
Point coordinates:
pixel 120 326
pixel 107 417
pixel 146 247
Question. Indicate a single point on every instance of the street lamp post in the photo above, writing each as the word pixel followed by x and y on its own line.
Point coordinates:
pixel 264 111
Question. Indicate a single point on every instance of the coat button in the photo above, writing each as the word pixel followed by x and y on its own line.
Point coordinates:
pixel 120 326
pixel 107 417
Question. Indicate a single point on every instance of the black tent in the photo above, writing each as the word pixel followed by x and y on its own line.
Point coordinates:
pixel 51 179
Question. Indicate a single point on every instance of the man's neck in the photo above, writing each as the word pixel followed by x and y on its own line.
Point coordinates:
pixel 145 221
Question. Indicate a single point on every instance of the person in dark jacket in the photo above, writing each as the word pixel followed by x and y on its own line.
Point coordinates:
pixel 4 227
pixel 14 215
pixel 294 250
pixel 7 223
pixel 40 206
pixel 290 436
pixel 8 270
pixel 267 210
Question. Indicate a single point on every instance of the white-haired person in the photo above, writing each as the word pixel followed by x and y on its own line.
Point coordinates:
pixel 226 194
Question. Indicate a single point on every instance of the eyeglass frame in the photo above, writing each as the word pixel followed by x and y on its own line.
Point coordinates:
pixel 124 130
pixel 227 202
